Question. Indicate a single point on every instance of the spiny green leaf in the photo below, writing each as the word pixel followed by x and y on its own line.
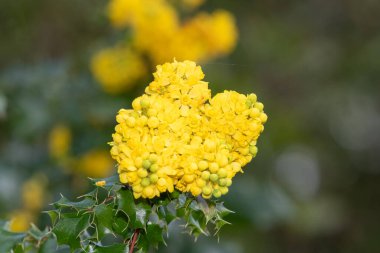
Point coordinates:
pixel 154 234
pixel 126 204
pixel 53 214
pixel 142 211
pixel 116 248
pixel 36 233
pixel 68 230
pixel 120 225
pixel 8 240
pixel 219 224
pixel 82 204
pixel 222 211
pixel 104 215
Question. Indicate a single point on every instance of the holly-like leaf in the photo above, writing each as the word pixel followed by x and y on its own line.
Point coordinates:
pixel 82 204
pixel 142 211
pixel 222 211
pixel 116 248
pixel 68 230
pixel 154 235
pixel 126 204
pixel 53 214
pixel 104 215
pixel 36 233
pixel 8 240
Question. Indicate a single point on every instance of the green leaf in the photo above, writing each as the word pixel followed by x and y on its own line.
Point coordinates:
pixel 222 211
pixel 104 215
pixel 142 211
pixel 120 225
pixel 68 230
pixel 116 248
pixel 196 222
pixel 49 246
pixel 126 203
pixel 8 240
pixel 154 234
pixel 53 214
pixel 82 204
pixel 36 233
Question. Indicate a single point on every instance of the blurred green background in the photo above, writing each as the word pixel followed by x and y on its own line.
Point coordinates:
pixel 315 64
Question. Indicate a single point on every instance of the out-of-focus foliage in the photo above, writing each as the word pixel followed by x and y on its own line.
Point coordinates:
pixel 314 185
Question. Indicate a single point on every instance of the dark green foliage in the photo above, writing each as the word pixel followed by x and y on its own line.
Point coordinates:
pixel 109 219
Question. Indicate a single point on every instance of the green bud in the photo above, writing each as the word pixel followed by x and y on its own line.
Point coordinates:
pixel 223 182
pixel 146 164
pixel 206 190
pixel 145 182
pixel 214 178
pixel 153 178
pixel 217 193
pixel 205 176
pixel 154 167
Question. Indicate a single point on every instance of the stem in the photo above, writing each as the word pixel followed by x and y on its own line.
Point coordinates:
pixel 134 239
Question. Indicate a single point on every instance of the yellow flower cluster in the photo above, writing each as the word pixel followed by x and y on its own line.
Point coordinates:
pixel 33 199
pixel 178 136
pixel 117 69
pixel 159 34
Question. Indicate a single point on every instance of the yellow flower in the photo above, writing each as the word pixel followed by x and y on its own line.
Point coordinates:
pixel 33 193
pixel 59 141
pixel 95 164
pixel 100 183
pixel 20 221
pixel 176 135
pixel 117 69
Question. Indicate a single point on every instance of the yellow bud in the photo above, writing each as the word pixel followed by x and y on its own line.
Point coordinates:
pixel 207 190
pixel 153 178
pixel 138 162
pixel 138 188
pixel 205 175
pixel 145 182
pixel 153 122
pixel 236 167
pixel 222 160
pixel 153 158
pixel 255 113
pixel 223 190
pixel 144 103
pixel 259 106
pixel 202 165
pixel 263 117
pixel 222 173
pixel 200 182
pixel 253 150
pixel 161 182
pixel 148 192
pixel 123 178
pixel 214 178
pixel 195 190
pixel 222 182
pixel 228 182
pixel 142 173
pixel 154 167
pixel 209 145
pixel 100 183
pixel 188 178
pixel 146 164
pixel 193 166
pixel 136 104
pixel 214 167
pixel 217 193
pixel 151 112
pixel 131 121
